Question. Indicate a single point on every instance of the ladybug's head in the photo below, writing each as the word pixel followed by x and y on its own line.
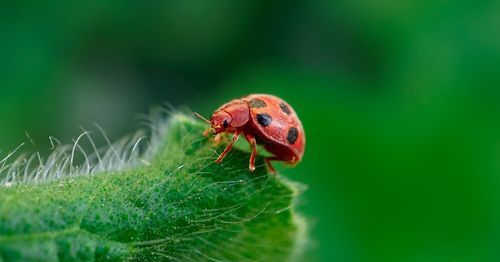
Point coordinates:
pixel 220 121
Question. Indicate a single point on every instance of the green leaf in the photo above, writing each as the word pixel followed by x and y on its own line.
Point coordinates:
pixel 179 206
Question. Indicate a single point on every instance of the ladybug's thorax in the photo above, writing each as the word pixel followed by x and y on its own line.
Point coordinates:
pixel 236 114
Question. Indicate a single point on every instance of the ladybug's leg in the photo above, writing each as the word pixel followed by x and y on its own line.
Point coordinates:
pixel 228 148
pixel 269 165
pixel 253 144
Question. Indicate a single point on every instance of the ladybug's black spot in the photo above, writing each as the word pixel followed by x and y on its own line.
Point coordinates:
pixel 293 135
pixel 257 103
pixel 264 119
pixel 285 108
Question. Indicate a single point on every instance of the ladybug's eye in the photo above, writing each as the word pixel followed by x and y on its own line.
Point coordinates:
pixel 225 123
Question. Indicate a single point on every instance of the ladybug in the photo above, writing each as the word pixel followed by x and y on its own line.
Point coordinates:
pixel 262 119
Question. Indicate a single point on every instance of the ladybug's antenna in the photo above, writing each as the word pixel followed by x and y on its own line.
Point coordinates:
pixel 201 117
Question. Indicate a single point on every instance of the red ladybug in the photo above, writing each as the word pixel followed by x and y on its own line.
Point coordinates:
pixel 262 119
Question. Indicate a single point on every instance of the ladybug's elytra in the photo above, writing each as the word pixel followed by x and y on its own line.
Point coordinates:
pixel 262 119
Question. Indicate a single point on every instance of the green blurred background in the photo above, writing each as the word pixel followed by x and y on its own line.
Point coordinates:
pixel 400 101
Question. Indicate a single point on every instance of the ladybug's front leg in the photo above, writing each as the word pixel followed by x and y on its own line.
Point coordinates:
pixel 228 148
pixel 253 144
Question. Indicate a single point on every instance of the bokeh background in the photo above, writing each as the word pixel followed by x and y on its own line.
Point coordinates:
pixel 400 101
